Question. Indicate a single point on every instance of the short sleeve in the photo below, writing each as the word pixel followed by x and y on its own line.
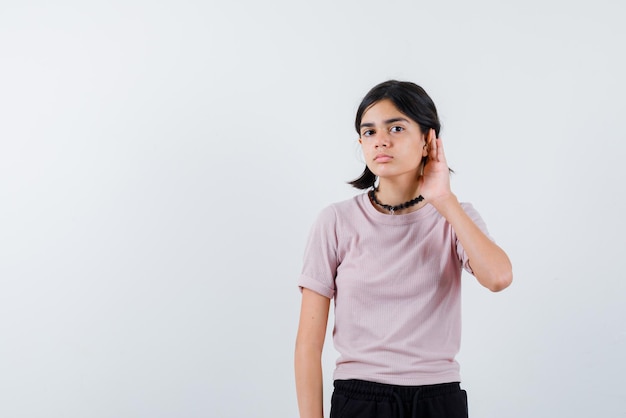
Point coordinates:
pixel 474 216
pixel 320 255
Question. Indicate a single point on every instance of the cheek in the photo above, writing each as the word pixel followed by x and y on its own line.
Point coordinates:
pixel 365 147
pixel 423 149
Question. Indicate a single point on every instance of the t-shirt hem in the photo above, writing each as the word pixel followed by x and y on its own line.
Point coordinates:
pixel 402 381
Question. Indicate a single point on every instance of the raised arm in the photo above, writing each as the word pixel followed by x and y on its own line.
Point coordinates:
pixel 488 261
pixel 308 354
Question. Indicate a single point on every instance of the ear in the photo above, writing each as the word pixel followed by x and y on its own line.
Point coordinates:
pixel 428 139
pixel 360 141
pixel 426 147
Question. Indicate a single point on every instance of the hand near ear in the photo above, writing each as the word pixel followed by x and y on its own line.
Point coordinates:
pixel 435 181
pixel 489 263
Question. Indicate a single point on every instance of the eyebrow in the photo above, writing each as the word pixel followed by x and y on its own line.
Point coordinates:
pixel 387 122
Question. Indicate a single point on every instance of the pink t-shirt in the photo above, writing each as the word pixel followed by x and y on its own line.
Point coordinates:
pixel 396 284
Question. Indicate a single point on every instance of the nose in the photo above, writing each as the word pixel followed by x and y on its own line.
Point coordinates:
pixel 382 139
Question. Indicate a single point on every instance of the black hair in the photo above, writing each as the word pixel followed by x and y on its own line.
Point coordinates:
pixel 411 100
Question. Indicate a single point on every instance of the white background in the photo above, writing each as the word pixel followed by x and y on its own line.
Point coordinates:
pixel 161 163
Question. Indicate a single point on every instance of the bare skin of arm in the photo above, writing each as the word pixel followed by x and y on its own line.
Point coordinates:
pixel 490 264
pixel 308 353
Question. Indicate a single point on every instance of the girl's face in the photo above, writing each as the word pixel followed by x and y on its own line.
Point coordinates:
pixel 393 144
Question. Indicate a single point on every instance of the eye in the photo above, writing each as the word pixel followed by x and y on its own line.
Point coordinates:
pixel 396 129
pixel 368 132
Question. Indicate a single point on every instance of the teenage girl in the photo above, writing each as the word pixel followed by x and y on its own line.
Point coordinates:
pixel 391 259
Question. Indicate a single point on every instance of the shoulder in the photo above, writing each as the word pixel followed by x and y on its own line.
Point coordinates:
pixel 344 208
pixel 470 210
pixel 467 207
pixel 338 214
pixel 475 216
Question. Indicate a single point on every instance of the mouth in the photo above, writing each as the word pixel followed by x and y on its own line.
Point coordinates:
pixel 383 158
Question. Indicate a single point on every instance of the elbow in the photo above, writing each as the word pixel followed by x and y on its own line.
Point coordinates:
pixel 500 281
pixel 495 276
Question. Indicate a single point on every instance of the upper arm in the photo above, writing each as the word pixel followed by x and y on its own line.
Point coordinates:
pixel 321 259
pixel 313 319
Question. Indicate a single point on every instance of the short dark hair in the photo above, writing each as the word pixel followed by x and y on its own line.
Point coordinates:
pixel 411 100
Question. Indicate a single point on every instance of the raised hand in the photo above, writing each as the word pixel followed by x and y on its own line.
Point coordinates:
pixel 434 184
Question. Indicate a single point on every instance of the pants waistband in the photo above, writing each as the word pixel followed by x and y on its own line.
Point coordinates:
pixel 381 391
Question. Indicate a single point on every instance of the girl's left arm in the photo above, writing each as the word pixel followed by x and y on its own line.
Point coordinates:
pixel 488 261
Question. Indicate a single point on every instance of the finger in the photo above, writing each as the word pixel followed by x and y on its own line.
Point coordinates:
pixel 440 154
pixel 433 144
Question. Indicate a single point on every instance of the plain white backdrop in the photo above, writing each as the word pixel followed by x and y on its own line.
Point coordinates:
pixel 161 163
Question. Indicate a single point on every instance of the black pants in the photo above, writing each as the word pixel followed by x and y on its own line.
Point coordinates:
pixel 358 398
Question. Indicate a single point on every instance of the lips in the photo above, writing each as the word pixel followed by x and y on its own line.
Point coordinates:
pixel 383 158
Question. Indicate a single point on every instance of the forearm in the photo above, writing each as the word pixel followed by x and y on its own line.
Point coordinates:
pixel 488 261
pixel 309 386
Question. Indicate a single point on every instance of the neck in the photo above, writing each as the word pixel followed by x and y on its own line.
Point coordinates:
pixel 395 192
pixel 401 199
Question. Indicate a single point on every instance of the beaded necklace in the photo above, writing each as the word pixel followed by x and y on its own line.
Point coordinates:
pixel 392 209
